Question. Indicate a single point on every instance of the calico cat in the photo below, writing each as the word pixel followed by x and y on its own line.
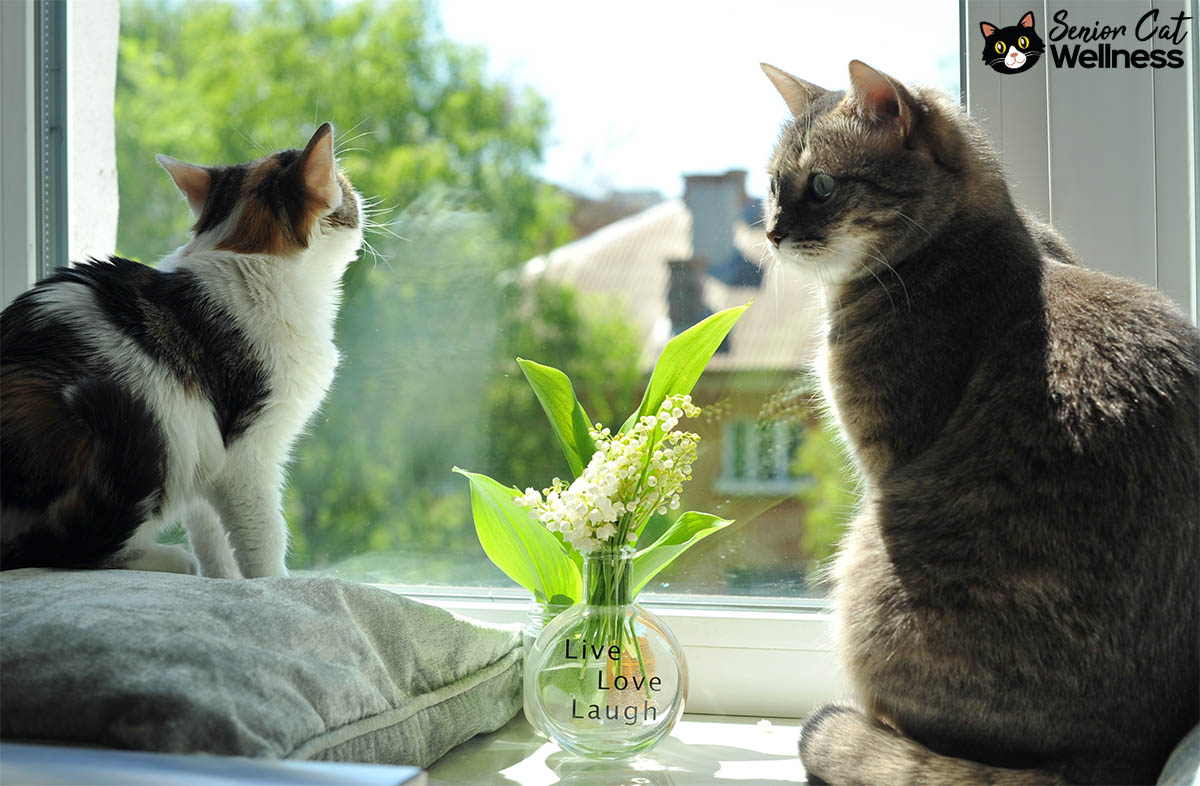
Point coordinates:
pixel 135 396
pixel 1017 598
pixel 1011 50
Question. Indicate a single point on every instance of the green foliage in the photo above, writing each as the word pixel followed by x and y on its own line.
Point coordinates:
pixel 221 82
pixel 829 495
pixel 420 126
pixel 690 528
pixel 504 527
pixel 683 360
pixel 566 415
pixel 527 552
pixel 589 339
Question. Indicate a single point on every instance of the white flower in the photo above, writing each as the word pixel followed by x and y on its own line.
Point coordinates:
pixel 628 478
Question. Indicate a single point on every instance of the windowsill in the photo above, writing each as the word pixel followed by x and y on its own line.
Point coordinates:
pixel 702 749
pixel 728 649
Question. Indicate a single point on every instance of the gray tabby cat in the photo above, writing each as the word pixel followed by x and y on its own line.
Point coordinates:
pixel 1017 598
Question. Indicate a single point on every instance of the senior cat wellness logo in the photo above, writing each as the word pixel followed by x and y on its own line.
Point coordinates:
pixel 1150 40
pixel 1012 50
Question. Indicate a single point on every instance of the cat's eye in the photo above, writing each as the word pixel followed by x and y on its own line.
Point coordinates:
pixel 822 186
pixel 1023 42
pixel 1000 47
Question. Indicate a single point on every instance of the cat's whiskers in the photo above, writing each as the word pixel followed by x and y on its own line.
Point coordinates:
pixel 376 257
pixel 383 229
pixel 250 140
pixel 774 267
pixel 876 254
pixel 374 207
pixel 898 212
pixel 345 141
pixel 886 291
pixel 350 130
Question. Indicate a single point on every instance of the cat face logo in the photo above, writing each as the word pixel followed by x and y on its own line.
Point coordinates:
pixel 1011 50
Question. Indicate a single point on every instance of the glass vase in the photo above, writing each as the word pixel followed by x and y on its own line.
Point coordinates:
pixel 540 615
pixel 606 679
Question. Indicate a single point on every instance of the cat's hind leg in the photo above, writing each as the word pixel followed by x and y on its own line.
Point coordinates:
pixel 159 558
pixel 83 470
pixel 141 552
pixel 210 542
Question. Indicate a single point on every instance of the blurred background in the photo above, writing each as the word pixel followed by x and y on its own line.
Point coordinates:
pixel 565 182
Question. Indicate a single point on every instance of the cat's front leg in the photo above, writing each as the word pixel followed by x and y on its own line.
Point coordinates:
pixel 210 542
pixel 247 498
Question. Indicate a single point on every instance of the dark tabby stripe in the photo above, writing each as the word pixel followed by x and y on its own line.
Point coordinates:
pixel 173 321
pixel 223 195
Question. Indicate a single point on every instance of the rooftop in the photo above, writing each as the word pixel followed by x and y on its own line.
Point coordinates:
pixel 627 261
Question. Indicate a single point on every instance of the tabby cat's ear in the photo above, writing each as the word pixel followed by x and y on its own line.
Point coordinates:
pixel 797 93
pixel 317 169
pixel 193 181
pixel 881 100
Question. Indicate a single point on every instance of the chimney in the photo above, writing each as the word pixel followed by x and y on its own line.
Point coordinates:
pixel 715 201
pixel 685 293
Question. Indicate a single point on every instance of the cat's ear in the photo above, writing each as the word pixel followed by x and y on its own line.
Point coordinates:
pixel 797 93
pixel 193 181
pixel 987 28
pixel 317 169
pixel 1027 20
pixel 881 100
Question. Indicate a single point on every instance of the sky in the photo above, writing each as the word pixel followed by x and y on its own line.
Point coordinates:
pixel 644 91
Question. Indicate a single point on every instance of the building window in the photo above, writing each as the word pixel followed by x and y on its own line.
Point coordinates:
pixel 759 457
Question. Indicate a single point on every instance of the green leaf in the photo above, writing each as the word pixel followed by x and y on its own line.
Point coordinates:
pixel 683 360
pixel 518 544
pixel 570 423
pixel 689 529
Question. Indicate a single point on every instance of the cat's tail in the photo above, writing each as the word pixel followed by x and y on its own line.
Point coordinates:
pixel 840 745
pixel 83 466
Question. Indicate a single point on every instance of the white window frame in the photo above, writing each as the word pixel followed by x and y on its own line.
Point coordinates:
pixel 18 149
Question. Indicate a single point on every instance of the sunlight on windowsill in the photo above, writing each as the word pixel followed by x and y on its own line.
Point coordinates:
pixel 702 749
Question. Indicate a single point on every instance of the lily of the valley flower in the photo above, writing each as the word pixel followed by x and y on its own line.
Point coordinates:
pixel 629 477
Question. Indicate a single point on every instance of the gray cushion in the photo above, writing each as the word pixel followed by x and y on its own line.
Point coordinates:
pixel 298 668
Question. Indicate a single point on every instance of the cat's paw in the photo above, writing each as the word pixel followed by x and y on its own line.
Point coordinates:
pixel 255 567
pixel 164 559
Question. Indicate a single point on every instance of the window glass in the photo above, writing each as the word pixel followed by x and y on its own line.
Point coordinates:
pixel 570 183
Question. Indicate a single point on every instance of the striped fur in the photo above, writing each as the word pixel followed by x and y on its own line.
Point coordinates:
pixel 1017 599
pixel 135 397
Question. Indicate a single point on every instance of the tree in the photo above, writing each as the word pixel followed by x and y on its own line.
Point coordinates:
pixel 220 82
pixel 831 492
pixel 592 341
pixel 428 336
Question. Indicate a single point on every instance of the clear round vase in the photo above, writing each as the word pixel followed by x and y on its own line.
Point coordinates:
pixel 606 679
pixel 540 615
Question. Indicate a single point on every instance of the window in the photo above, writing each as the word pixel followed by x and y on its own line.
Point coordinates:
pixel 573 189
pixel 759 457
pixel 546 201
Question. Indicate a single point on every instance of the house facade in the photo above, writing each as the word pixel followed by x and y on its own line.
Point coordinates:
pixel 666 268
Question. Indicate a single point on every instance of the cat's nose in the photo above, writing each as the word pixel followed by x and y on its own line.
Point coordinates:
pixel 776 236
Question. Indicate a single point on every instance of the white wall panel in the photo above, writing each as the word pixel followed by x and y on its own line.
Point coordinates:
pixel 1109 154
